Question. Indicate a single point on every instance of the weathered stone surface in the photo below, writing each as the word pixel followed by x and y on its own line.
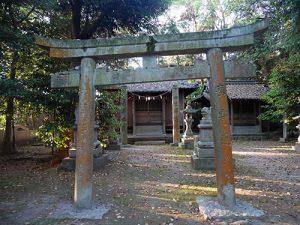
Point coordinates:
pixel 123 116
pixel 232 39
pixel 186 143
pixel 187 140
pixel 204 156
pixel 210 208
pixel 84 148
pixel 175 115
pixel 199 163
pixel 97 152
pixel 65 210
pixel 221 129
pixel 69 164
pixel 114 146
pixel 297 147
pixel 233 69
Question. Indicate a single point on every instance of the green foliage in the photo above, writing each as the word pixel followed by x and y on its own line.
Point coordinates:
pixel 283 96
pixel 197 92
pixel 111 17
pixel 107 108
pixel 204 15
pixel 51 133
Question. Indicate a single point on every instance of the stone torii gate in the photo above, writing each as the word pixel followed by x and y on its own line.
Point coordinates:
pixel 212 43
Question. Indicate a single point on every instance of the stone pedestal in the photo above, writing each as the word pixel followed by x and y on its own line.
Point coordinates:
pixel 175 115
pixel 203 156
pixel 99 159
pixel 114 145
pixel 187 140
pixel 297 147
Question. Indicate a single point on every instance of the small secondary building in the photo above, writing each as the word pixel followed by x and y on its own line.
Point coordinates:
pixel 150 107
pixel 244 107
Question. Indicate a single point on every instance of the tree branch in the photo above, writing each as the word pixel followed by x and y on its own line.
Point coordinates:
pixel 26 16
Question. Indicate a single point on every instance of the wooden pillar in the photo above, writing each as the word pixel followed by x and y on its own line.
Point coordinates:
pixel 133 117
pixel 259 120
pixel 86 117
pixel 163 115
pixel 182 108
pixel 221 129
pixel 175 115
pixel 231 116
pixel 124 116
pixel 254 112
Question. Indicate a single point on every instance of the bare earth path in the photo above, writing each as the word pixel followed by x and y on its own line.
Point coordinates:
pixel 154 185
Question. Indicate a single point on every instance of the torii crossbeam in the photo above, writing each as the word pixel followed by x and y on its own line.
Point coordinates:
pixel 213 43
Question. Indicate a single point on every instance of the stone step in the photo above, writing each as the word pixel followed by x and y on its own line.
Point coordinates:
pixel 149 142
pixel 148 130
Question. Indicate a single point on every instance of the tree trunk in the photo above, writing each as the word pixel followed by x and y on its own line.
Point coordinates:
pixel 8 147
pixel 8 144
pixel 76 6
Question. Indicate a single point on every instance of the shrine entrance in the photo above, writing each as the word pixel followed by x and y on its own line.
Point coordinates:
pixel 212 43
pixel 148 116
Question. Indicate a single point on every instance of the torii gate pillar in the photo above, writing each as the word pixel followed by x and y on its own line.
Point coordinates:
pixel 86 117
pixel 220 122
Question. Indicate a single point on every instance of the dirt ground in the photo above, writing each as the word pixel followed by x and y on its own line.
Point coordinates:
pixel 153 185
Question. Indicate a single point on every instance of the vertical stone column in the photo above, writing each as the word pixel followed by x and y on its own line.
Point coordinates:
pixel 133 117
pixel 124 115
pixel 86 117
pixel 231 116
pixel 149 61
pixel 163 102
pixel 221 129
pixel 175 115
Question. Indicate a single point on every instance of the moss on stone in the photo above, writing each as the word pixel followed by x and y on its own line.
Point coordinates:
pixel 151 45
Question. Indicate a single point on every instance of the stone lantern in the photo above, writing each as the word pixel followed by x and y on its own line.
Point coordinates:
pixel 203 156
pixel 297 145
pixel 187 140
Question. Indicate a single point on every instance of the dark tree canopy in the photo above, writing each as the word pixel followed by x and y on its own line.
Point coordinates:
pixel 105 18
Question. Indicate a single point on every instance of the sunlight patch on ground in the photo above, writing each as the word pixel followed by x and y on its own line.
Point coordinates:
pixel 260 193
pixel 170 155
pixel 153 197
pixel 200 175
pixel 182 186
pixel 250 178
pixel 176 160
pixel 264 153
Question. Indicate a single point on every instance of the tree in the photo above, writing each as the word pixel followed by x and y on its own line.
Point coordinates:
pixel 24 72
pixel 107 18
pixel 204 15
pixel 277 55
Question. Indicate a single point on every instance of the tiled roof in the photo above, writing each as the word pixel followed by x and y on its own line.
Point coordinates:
pixel 160 86
pixel 244 90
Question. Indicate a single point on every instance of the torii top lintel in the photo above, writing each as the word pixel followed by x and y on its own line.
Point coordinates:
pixel 233 39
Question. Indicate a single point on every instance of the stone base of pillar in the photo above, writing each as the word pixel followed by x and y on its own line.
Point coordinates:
pixel 68 164
pixel 99 159
pixel 96 153
pixel 114 146
pixel 202 163
pixel 186 143
pixel 174 144
pixel 282 140
pixel 297 147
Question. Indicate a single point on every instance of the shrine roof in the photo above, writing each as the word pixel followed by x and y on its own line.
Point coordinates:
pixel 160 86
pixel 242 90
pixel 245 90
